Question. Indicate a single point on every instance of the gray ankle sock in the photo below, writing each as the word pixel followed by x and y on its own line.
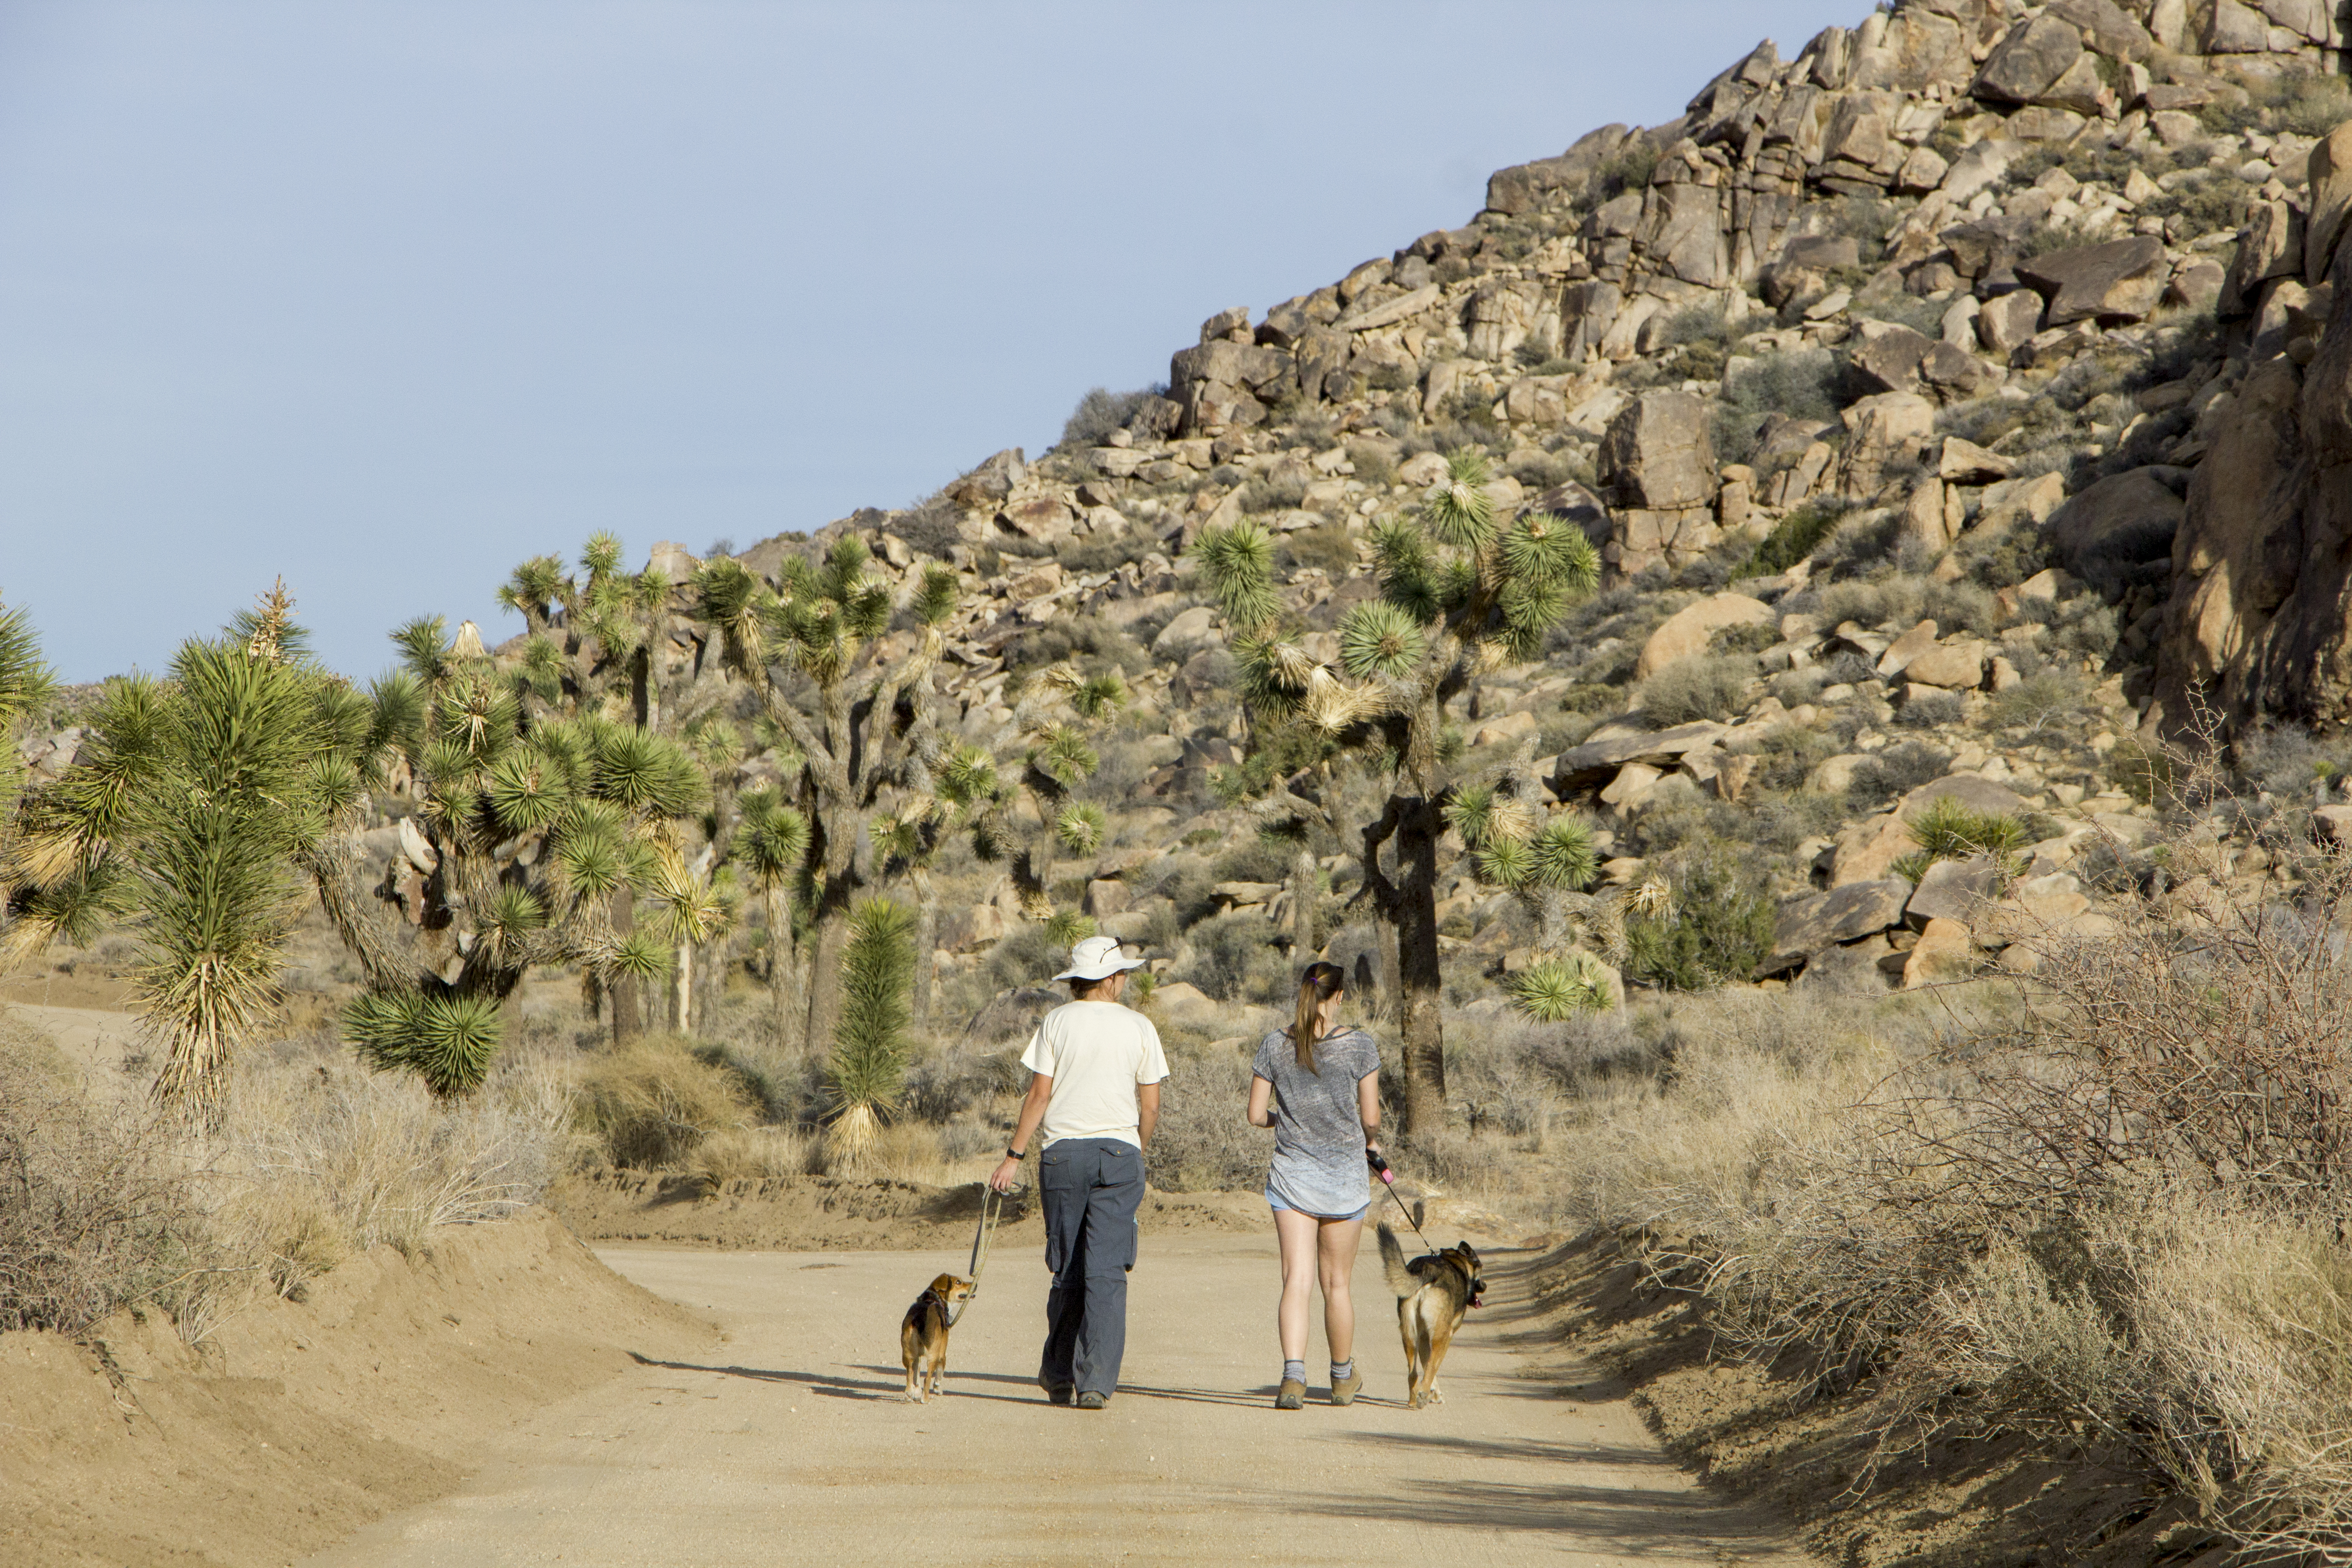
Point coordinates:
pixel 1343 1369
pixel 1294 1371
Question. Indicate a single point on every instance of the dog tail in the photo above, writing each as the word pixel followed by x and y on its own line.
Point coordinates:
pixel 1401 1280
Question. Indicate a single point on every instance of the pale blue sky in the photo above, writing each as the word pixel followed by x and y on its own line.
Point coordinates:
pixel 387 296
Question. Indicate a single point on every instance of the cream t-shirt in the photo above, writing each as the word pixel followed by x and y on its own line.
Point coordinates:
pixel 1096 1053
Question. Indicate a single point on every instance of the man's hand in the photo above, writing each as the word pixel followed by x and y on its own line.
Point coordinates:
pixel 1002 1177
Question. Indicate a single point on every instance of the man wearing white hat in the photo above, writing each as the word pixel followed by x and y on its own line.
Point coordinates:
pixel 1095 1068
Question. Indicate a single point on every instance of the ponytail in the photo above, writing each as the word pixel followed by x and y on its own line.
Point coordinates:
pixel 1319 984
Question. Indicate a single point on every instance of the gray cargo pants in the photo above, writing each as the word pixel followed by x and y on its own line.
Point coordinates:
pixel 1092 1187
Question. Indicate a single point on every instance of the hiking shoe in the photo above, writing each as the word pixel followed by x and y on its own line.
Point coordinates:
pixel 1293 1396
pixel 1345 1389
pixel 1090 1400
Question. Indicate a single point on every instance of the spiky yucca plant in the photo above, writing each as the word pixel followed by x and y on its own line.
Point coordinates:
pixel 1462 590
pixel 26 683
pixel 1548 860
pixel 877 724
pixel 188 816
pixel 867 1071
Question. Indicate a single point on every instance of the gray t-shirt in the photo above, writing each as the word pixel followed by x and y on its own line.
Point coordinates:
pixel 1318 1130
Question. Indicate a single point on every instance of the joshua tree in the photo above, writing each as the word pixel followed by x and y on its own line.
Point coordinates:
pixel 868 1068
pixel 872 722
pixel 590 636
pixel 1461 591
pixel 772 846
pixel 532 829
pixel 192 806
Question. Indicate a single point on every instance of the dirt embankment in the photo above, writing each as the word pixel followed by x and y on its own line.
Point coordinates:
pixel 1962 1500
pixel 829 1214
pixel 298 1422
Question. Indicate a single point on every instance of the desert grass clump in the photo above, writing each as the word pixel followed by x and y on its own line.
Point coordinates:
pixel 1949 830
pixel 1696 688
pixel 652 1102
pixel 867 1072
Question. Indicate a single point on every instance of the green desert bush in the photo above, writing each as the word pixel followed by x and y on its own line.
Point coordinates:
pixel 1717 930
pixel 1801 383
pixel 1948 829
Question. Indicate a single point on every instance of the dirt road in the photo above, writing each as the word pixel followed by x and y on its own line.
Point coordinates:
pixel 791 1442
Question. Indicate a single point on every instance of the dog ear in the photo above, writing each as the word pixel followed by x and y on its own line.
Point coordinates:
pixel 944 1283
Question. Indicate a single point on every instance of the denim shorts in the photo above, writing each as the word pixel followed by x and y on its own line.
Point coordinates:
pixel 1280 1207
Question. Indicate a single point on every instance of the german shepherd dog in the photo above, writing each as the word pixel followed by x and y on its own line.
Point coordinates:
pixel 923 1336
pixel 1433 1291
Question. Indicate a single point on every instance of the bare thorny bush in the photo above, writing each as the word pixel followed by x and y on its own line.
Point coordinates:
pixel 2107 1201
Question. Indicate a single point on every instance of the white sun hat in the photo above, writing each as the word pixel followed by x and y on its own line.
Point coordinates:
pixel 1098 958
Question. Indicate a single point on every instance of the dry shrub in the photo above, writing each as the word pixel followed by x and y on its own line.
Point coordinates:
pixel 95 1210
pixel 104 1207
pixel 650 1104
pixel 753 1154
pixel 2108 1201
pixel 1203 1143
pixel 321 1158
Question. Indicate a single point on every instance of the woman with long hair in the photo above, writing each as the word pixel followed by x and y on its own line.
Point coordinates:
pixel 1317 1085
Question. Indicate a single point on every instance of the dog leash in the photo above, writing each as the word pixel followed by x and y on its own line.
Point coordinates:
pixel 992 1208
pixel 1379 1164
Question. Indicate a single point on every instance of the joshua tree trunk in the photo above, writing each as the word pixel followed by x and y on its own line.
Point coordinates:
pixel 1420 982
pixel 1302 908
pixel 622 990
pixel 927 936
pixel 682 988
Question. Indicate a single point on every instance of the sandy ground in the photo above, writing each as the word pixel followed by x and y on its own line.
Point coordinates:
pixel 794 1439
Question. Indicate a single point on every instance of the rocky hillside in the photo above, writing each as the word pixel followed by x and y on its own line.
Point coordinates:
pixel 1957 404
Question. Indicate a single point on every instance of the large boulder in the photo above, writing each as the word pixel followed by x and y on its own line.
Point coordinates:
pixel 1525 187
pixel 1952 666
pixel 1944 954
pixel 1659 454
pixel 1971 789
pixel 1954 890
pixel 1885 357
pixel 2112 31
pixel 1688 629
pixel 2030 61
pixel 2120 280
pixel 1596 763
pixel 1879 431
pixel 2329 169
pixel 1810 923
pixel 2121 522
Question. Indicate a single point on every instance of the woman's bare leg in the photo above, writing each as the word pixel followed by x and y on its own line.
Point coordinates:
pixel 1336 1242
pixel 1296 1232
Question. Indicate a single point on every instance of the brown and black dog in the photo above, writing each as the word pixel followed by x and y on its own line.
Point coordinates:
pixel 923 1336
pixel 1434 1292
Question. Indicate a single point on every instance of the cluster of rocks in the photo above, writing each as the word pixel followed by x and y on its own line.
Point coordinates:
pixel 2058 287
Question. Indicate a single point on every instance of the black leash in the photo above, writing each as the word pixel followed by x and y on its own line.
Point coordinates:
pixel 1379 1164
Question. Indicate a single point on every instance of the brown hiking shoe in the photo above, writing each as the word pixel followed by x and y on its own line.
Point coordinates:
pixel 1345 1389
pixel 1293 1396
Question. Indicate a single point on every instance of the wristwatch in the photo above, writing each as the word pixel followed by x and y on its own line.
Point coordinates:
pixel 1014 1154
